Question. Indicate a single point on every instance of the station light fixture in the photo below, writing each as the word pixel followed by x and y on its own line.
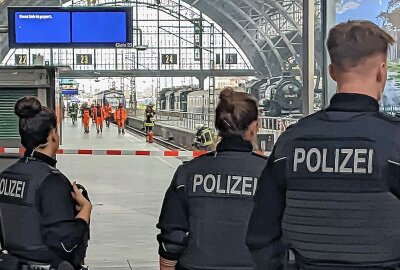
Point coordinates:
pixel 141 47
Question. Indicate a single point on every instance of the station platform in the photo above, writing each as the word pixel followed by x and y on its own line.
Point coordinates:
pixel 126 193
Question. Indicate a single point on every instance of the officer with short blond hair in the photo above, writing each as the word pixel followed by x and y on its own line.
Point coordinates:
pixel 330 191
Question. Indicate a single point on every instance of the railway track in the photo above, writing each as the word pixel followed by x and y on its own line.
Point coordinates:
pixel 159 141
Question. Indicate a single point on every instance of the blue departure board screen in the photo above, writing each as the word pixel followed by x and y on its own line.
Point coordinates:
pixel 46 27
pixel 29 27
pixel 92 27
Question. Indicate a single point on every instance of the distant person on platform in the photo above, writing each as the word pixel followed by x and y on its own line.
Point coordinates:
pixel 44 217
pixel 149 118
pixel 73 111
pixel 331 189
pixel 99 114
pixel 86 114
pixel 120 116
pixel 108 110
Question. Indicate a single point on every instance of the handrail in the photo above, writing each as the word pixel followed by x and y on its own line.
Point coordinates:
pixel 192 120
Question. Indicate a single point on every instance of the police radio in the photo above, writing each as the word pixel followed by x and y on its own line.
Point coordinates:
pixel 84 191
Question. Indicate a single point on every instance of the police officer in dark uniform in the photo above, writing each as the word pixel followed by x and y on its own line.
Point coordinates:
pixel 330 191
pixel 44 218
pixel 207 206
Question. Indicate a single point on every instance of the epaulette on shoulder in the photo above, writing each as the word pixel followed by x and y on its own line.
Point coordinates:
pixel 206 154
pixel 210 154
pixel 291 126
pixel 55 171
pixel 259 155
pixel 389 118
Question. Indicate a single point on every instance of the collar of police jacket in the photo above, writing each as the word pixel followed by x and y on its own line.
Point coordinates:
pixel 234 143
pixel 351 102
pixel 42 157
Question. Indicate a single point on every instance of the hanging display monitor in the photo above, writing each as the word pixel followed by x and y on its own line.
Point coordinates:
pixel 70 27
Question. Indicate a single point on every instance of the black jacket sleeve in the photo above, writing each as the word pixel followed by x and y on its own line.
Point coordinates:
pixel 66 235
pixel 173 222
pixel 264 230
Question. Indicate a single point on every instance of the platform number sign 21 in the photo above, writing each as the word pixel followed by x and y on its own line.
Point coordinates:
pixel 84 59
pixel 21 59
pixel 169 59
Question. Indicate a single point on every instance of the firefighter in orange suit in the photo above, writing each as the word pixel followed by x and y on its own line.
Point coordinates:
pixel 86 113
pixel 120 116
pixel 108 114
pixel 99 115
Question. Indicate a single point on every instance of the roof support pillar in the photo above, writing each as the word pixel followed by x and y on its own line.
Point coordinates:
pixel 308 57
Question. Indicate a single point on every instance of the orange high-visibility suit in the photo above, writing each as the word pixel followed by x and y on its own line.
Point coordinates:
pixel 86 119
pixel 120 116
pixel 99 115
pixel 108 111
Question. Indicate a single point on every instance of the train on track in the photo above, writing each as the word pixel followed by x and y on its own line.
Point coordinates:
pixel 111 96
pixel 277 96
pixel 188 99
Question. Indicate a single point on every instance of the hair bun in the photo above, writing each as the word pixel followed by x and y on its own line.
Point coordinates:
pixel 227 93
pixel 27 107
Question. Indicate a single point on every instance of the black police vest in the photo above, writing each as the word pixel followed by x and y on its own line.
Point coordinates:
pixel 219 191
pixel 339 208
pixel 20 218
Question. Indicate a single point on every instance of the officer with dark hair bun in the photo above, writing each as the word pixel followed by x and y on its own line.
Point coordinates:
pixel 205 212
pixel 44 218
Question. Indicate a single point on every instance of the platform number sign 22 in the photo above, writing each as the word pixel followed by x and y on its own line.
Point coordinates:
pixel 169 59
pixel 21 59
pixel 83 59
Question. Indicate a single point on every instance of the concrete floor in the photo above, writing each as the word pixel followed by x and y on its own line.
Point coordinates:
pixel 126 192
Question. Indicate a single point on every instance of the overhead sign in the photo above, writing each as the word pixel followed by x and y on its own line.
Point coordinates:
pixel 21 59
pixel 198 33
pixel 231 58
pixel 69 92
pixel 169 59
pixel 84 59
pixel 70 27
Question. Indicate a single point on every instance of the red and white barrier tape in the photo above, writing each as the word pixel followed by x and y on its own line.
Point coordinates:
pixel 166 153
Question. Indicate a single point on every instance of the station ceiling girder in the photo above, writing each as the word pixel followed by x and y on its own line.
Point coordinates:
pixel 162 73
pixel 256 24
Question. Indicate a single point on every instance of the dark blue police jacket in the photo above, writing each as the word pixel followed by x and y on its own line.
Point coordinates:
pixel 206 209
pixel 331 191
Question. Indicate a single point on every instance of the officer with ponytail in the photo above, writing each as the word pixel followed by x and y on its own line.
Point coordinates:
pixel 205 212
pixel 44 218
